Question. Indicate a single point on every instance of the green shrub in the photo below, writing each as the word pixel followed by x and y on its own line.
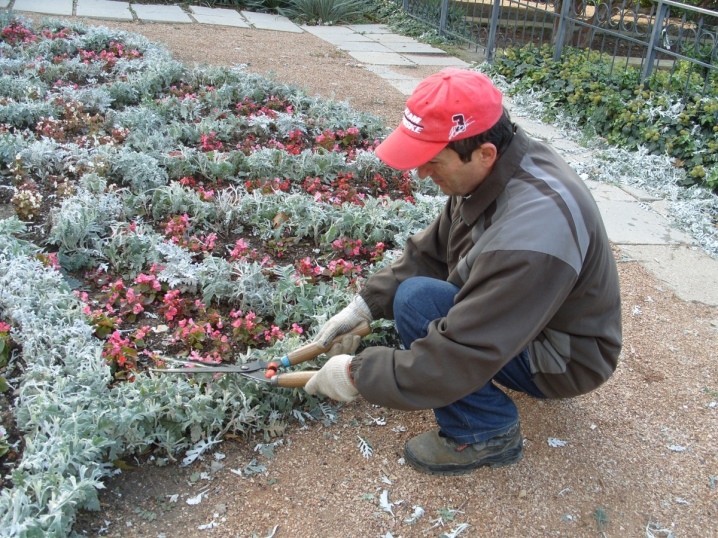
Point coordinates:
pixel 621 109
pixel 325 11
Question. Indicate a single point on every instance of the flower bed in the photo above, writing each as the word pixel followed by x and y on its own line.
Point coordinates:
pixel 161 210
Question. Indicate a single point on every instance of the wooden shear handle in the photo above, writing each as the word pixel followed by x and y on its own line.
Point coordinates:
pixel 292 380
pixel 312 349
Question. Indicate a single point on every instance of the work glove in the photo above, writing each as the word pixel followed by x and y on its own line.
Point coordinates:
pixel 348 318
pixel 333 380
pixel 346 345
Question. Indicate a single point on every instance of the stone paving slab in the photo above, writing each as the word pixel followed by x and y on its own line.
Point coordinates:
pixel 686 270
pixel 394 38
pixel 640 194
pixel 47 7
pixel 363 46
pixel 269 21
pixel 404 83
pixel 4 3
pixel 386 72
pixel 369 28
pixel 380 58
pixel 151 13
pixel 627 223
pixel 536 129
pixel 104 9
pixel 219 16
pixel 335 35
pixel 604 192
pixel 436 59
pixel 412 47
pixel 406 87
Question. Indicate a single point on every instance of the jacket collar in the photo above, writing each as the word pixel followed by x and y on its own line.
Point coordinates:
pixel 475 204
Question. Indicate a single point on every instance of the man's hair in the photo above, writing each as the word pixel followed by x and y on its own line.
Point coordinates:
pixel 499 135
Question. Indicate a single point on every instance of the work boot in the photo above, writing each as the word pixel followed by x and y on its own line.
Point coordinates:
pixel 433 453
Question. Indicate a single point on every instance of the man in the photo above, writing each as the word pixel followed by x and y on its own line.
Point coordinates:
pixel 513 284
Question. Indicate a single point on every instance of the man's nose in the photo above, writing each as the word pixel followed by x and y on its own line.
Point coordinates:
pixel 423 171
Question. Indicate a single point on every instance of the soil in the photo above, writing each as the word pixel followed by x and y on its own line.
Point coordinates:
pixel 637 457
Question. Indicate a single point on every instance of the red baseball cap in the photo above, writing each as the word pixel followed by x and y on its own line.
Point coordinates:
pixel 447 106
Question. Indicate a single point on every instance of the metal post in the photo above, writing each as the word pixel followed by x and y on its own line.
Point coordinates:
pixel 493 29
pixel 444 16
pixel 562 28
pixel 661 11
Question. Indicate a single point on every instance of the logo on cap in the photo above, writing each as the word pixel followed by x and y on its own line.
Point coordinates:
pixel 460 125
pixel 412 122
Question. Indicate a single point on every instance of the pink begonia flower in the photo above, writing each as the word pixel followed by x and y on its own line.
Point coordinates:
pixel 141 332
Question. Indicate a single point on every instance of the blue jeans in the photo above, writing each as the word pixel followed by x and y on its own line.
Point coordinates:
pixel 483 414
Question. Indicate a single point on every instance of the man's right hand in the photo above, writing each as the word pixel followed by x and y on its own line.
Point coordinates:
pixel 351 316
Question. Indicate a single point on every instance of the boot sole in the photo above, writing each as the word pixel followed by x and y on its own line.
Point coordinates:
pixel 500 460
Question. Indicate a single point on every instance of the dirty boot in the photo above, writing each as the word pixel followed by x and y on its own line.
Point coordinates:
pixel 434 454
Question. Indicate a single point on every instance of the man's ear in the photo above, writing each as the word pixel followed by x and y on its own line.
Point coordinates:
pixel 488 153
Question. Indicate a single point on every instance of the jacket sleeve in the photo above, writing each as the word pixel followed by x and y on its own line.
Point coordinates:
pixel 424 255
pixel 509 298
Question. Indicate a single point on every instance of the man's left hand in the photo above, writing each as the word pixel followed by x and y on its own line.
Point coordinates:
pixel 333 380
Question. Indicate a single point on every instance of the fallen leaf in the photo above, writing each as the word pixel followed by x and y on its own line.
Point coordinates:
pixel 279 219
pixel 384 503
pixel 195 500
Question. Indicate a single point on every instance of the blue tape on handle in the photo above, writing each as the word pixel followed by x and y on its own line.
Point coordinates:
pixel 285 361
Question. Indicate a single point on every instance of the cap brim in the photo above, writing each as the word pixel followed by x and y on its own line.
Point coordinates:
pixel 404 152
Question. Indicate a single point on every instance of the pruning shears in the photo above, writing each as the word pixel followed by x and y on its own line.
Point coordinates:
pixel 266 371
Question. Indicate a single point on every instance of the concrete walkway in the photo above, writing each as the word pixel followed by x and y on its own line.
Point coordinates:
pixel 633 218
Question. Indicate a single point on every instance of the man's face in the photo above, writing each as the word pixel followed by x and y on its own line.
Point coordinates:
pixel 455 177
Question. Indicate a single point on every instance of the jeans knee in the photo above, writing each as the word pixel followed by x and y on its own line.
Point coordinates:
pixel 407 293
pixel 423 297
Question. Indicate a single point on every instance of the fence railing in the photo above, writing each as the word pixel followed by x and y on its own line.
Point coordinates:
pixel 648 36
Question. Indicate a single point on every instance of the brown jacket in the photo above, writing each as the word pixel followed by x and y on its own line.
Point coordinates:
pixel 530 253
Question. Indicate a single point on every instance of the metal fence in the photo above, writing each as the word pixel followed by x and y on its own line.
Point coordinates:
pixel 647 35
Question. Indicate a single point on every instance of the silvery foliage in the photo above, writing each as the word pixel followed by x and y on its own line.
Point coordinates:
pixel 131 252
pixel 340 115
pixel 266 161
pixel 93 100
pixel 10 145
pixel 152 143
pixel 215 276
pixel 83 222
pixel 14 227
pixel 180 271
pixel 377 220
pixel 175 199
pixel 214 166
pixel 252 289
pixel 44 157
pixel 287 123
pixel 139 171
pixel 228 213
pixel 294 300
pixel 140 120
pixel 17 88
pixel 69 438
pixel 22 114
